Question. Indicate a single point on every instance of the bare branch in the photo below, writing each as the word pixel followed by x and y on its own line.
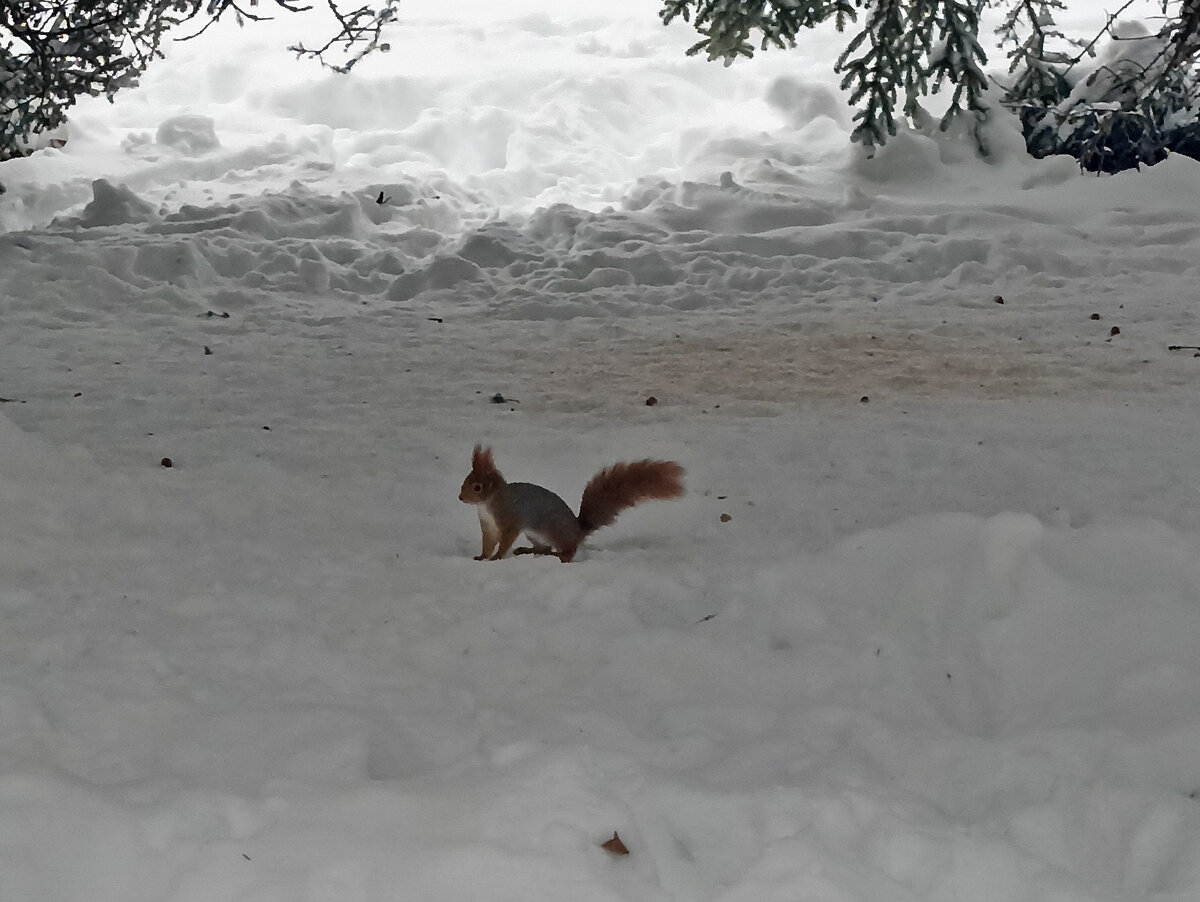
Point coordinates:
pixel 53 52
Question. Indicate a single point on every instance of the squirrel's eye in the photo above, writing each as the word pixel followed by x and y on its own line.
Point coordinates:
pixel 477 487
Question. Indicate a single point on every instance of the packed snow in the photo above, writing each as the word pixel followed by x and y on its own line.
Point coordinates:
pixel 925 627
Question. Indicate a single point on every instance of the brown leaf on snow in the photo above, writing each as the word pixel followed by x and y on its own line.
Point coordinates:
pixel 614 846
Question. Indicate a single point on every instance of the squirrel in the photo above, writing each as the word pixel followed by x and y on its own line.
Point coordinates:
pixel 506 509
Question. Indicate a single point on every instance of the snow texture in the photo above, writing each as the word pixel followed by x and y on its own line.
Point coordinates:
pixel 924 627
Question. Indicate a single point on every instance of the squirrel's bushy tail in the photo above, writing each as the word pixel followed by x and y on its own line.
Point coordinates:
pixel 623 485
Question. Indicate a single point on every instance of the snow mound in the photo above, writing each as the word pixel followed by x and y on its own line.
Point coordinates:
pixel 191 135
pixel 112 205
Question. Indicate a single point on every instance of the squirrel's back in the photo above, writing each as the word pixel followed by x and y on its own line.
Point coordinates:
pixel 542 513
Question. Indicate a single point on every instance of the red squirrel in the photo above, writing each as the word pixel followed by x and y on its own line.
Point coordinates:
pixel 506 509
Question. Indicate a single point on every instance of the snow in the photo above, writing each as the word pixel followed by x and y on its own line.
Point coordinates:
pixel 942 646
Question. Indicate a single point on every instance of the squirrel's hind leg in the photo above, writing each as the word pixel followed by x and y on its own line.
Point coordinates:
pixel 566 555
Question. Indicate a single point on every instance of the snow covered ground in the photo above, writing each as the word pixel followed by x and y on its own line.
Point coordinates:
pixel 944 645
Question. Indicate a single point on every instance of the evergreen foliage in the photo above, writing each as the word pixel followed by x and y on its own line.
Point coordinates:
pixel 1141 101
pixel 727 24
pixel 54 51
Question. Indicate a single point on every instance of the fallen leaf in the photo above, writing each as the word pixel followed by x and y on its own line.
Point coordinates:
pixel 614 846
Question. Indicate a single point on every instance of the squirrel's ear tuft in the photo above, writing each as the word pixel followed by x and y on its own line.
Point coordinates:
pixel 481 458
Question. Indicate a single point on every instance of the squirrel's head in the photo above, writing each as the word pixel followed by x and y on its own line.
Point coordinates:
pixel 483 479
